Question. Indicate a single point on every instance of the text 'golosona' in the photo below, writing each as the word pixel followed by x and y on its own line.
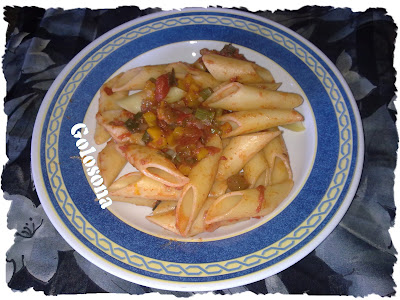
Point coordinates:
pixel 90 163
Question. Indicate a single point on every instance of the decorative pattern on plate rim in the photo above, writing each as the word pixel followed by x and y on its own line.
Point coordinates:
pixel 218 268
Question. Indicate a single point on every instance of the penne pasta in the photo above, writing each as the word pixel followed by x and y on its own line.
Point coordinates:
pixel 227 69
pixel 196 191
pixel 101 134
pixel 107 101
pixel 110 163
pixel 166 220
pixel 175 94
pixel 243 122
pixel 277 159
pixel 139 201
pixel 218 188
pixel 135 79
pixel 273 86
pixel 199 226
pixel 240 150
pixel 254 169
pixel 151 163
pixel 263 179
pixel 202 78
pixel 297 127
pixel 231 97
pixel 108 98
pixel 248 203
pixel 164 206
pixel 132 103
pixel 138 185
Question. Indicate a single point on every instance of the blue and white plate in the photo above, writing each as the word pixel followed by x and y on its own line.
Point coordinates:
pixel 326 158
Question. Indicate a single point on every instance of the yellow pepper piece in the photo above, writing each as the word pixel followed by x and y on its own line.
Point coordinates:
pixel 184 169
pixel 178 132
pixel 171 140
pixel 150 118
pixel 201 154
pixel 155 133
pixel 159 143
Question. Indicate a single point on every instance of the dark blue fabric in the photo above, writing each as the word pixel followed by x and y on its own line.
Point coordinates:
pixel 358 256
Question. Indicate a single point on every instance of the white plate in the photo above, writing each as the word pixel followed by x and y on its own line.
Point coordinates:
pixel 326 158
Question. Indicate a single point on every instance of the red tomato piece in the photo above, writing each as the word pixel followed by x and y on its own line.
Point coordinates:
pixel 162 87
pixel 108 91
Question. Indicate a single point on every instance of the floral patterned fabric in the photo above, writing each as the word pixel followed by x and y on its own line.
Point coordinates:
pixel 356 259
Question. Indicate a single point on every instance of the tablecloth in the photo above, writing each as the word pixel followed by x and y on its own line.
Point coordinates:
pixel 356 259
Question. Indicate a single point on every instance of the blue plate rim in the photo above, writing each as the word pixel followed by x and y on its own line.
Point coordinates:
pixel 316 240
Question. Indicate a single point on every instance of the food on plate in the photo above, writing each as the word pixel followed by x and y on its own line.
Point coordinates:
pixel 201 141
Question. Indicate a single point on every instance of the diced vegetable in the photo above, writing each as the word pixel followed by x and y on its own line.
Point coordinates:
pixel 228 49
pixel 108 90
pixel 170 154
pixel 226 127
pixel 131 125
pixel 154 132
pixel 203 114
pixel 184 169
pixel 205 93
pixel 150 118
pixel 146 138
pixel 171 78
pixel 132 103
pixel 162 87
pixel 202 153
pixel 175 94
pixel 237 182
pixel 157 204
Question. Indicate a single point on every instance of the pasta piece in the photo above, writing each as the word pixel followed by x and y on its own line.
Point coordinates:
pixel 101 135
pixel 226 69
pixel 297 127
pixel 249 203
pixel 135 79
pixel 225 142
pixel 132 103
pixel 273 86
pixel 199 226
pixel 277 157
pixel 107 101
pixel 175 94
pixel 139 185
pixel 113 122
pixel 110 163
pixel 203 79
pixel 139 201
pixel 196 191
pixel 166 220
pixel 254 169
pixel 240 150
pixel 264 178
pixel 164 206
pixel 231 96
pixel 108 97
pixel 244 122
pixel 153 164
pixel 218 188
